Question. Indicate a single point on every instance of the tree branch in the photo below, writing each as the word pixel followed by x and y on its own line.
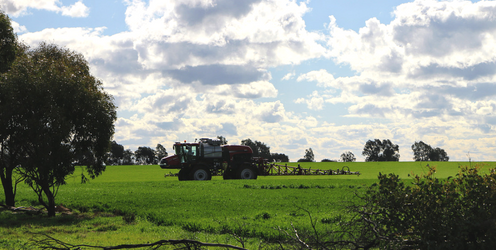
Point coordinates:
pixel 49 242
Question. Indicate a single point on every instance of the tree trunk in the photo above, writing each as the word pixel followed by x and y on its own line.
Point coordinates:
pixel 51 201
pixel 8 189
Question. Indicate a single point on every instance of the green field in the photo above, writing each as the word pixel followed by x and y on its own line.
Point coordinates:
pixel 137 204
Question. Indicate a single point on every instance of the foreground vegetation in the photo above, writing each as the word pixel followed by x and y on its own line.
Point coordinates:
pixel 136 204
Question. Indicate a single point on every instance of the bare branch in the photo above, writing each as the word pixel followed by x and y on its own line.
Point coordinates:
pixel 49 242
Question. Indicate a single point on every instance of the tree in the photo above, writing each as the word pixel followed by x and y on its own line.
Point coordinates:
pixel 128 157
pixel 424 152
pixel 278 157
pixel 222 139
pixel 348 157
pixel 421 151
pixel 116 153
pixel 53 110
pixel 9 154
pixel 308 157
pixel 8 43
pixel 438 154
pixel 259 148
pixel 160 152
pixel 145 155
pixel 378 150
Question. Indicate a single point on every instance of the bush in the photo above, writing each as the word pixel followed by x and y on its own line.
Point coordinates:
pixel 328 160
pixel 434 214
pixel 304 160
pixel 455 213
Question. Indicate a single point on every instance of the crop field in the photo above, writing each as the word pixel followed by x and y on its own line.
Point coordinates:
pixel 137 204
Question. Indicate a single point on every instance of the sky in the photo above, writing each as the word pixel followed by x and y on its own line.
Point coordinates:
pixel 321 74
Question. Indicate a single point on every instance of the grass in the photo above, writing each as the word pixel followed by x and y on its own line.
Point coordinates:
pixel 136 204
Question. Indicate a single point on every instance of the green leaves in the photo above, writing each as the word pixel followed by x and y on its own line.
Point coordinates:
pixel 433 213
pixel 55 113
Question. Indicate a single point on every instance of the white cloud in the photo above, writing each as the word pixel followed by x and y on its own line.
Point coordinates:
pixel 21 7
pixel 18 29
pixel 255 33
pixel 323 78
pixel 189 69
pixel 76 10
pixel 288 76
pixel 314 101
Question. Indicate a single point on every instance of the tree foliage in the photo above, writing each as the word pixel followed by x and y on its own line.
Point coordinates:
pixel 260 149
pixel 52 110
pixel 327 160
pixel 377 150
pixel 9 154
pixel 128 157
pixel 457 213
pixel 348 156
pixel 277 157
pixel 424 152
pixel 8 43
pixel 160 152
pixel 145 155
pixel 116 153
pixel 222 139
pixel 309 156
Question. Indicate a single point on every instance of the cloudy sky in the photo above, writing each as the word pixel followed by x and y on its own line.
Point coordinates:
pixel 322 74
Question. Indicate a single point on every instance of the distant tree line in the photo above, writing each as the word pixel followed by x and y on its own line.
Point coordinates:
pixel 385 150
pixel 146 155
pixel 142 156
pixel 374 150
pixel 260 149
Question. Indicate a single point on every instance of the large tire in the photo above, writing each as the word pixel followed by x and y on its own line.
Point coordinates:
pixel 201 174
pixel 183 175
pixel 247 173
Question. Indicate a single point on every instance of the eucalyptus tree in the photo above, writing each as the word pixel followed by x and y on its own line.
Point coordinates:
pixel 8 43
pixel 424 152
pixel 9 154
pixel 348 156
pixel 377 150
pixel 53 111
pixel 259 148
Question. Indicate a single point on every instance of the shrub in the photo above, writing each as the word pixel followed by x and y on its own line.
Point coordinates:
pixel 432 213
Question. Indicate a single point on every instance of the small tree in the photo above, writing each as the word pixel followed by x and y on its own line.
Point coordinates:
pixel 160 152
pixel 145 155
pixel 348 157
pixel 309 156
pixel 223 140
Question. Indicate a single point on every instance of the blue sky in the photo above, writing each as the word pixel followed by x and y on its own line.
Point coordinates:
pixel 326 75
